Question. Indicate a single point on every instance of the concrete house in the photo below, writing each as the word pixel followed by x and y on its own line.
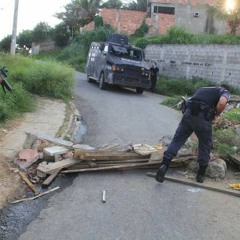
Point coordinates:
pixel 162 14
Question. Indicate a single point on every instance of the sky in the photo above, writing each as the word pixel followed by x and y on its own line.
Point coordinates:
pixel 30 13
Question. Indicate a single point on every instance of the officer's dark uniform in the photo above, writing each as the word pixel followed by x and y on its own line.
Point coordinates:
pixel 197 118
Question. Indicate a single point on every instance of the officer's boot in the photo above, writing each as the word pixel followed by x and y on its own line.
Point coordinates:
pixel 201 173
pixel 162 171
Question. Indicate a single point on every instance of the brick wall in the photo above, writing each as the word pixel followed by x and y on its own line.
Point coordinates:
pixel 127 21
pixel 124 21
pixel 217 63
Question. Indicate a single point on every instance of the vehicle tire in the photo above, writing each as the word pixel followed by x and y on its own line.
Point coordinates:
pixel 89 79
pixel 102 84
pixel 139 90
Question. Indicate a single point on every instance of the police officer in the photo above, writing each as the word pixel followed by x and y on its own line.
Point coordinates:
pixel 201 109
pixel 154 70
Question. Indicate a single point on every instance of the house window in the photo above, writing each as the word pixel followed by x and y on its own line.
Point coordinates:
pixel 164 10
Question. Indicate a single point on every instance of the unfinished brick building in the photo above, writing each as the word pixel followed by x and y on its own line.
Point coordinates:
pixel 162 14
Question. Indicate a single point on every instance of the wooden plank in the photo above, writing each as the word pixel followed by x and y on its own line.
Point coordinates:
pixel 116 167
pixel 235 159
pixel 196 184
pixel 27 181
pixel 50 179
pixel 106 155
pixel 49 168
pixel 57 141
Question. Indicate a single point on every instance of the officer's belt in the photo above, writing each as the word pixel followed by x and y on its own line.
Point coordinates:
pixel 198 104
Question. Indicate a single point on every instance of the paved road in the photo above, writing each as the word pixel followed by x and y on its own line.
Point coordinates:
pixel 137 207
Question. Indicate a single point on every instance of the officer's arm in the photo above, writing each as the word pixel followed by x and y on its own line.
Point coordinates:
pixel 221 105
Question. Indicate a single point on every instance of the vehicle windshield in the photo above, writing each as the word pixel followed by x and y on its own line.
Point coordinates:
pixel 125 52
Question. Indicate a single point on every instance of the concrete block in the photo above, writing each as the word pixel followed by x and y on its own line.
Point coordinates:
pixel 55 150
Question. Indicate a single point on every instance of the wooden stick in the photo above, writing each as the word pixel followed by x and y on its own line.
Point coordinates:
pixel 196 184
pixel 33 198
pixel 49 180
pixel 27 181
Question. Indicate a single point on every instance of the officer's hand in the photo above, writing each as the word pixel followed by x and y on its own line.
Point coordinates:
pixel 216 120
pixel 0 80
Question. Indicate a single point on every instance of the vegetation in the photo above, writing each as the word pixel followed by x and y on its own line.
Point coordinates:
pixel 29 76
pixel 142 30
pixel 77 14
pixel 225 140
pixel 75 54
pixel 181 86
pixel 233 115
pixel 178 35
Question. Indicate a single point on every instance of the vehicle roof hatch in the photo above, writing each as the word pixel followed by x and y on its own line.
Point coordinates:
pixel 118 38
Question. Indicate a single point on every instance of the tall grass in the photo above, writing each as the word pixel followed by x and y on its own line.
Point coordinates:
pixel 30 76
pixel 178 35
pixel 45 78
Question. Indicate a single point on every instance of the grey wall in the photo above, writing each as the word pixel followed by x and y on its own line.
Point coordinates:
pixel 184 17
pixel 217 63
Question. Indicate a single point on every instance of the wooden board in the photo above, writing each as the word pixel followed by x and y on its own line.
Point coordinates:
pixel 105 155
pixel 50 179
pixel 196 184
pixel 116 167
pixel 51 167
pixel 235 159
pixel 27 181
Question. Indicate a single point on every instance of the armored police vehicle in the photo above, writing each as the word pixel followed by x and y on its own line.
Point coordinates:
pixel 117 63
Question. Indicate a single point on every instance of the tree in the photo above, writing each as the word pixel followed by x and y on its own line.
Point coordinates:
pixel 61 35
pixel 41 32
pixel 138 5
pixel 5 44
pixel 116 4
pixel 25 39
pixel 98 21
pixel 78 13
pixel 227 10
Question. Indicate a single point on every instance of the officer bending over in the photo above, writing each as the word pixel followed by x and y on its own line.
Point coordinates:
pixel 201 109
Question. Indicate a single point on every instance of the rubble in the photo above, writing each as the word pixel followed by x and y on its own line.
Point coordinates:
pixel 43 158
pixel 216 169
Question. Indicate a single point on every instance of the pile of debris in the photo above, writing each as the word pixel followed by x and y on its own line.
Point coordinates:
pixel 43 158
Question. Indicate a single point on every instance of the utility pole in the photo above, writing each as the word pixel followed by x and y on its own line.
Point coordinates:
pixel 14 29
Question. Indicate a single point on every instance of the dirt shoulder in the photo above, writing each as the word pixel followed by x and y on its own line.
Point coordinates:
pixel 47 119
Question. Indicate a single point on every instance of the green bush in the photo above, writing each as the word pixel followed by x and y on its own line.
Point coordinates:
pixel 44 78
pixel 182 86
pixel 75 54
pixel 178 35
pixel 225 140
pixel 142 30
pixel 233 115
pixel 172 101
pixel 11 106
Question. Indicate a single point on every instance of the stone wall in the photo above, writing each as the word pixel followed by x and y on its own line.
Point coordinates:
pixel 217 63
